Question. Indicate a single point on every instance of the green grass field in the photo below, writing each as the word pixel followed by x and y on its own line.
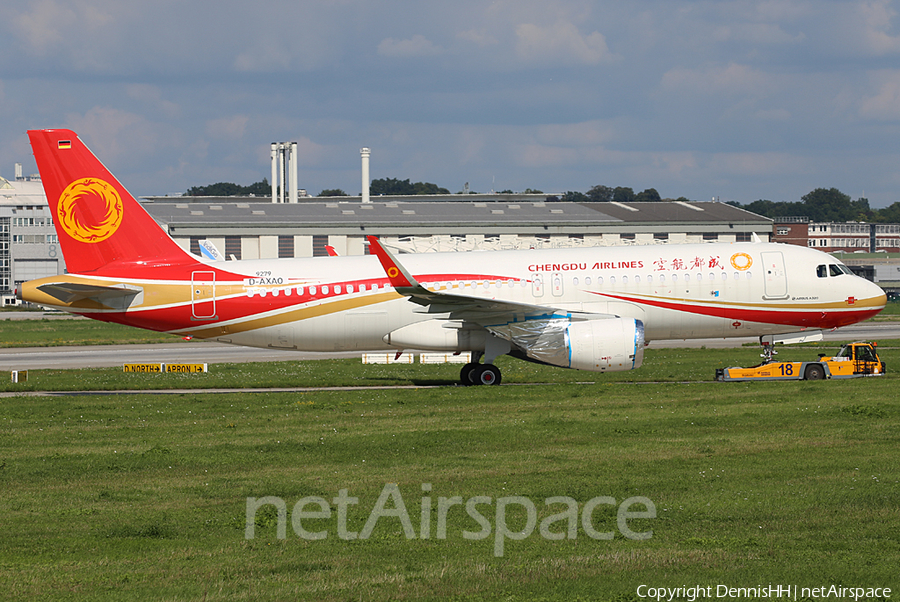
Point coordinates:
pixel 144 497
pixel 50 332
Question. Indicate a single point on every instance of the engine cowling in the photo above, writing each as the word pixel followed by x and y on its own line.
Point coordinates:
pixel 606 345
pixel 438 335
pixel 599 345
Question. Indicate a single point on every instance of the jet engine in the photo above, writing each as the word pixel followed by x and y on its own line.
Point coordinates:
pixel 602 344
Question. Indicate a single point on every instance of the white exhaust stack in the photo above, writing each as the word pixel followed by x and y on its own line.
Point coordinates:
pixel 274 179
pixel 364 153
pixel 284 172
pixel 281 159
pixel 294 172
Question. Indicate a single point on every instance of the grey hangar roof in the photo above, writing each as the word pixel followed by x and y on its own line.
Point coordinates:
pixel 218 216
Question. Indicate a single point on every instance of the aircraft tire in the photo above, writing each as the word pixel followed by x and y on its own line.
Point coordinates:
pixel 488 374
pixel 814 372
pixel 466 375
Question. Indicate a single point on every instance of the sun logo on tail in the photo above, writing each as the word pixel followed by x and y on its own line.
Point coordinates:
pixel 90 210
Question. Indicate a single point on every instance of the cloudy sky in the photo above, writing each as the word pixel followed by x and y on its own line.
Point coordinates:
pixel 739 100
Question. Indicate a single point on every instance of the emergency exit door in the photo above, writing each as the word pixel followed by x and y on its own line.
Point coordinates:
pixel 775 275
pixel 203 295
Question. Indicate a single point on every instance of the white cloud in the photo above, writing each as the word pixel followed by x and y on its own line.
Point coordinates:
pixel 587 133
pixel 121 138
pixel 265 57
pixel 480 38
pixel 767 34
pixel 761 164
pixel 77 31
pixel 560 43
pixel 418 45
pixel 877 17
pixel 730 80
pixel 152 95
pixel 227 128
pixel 885 104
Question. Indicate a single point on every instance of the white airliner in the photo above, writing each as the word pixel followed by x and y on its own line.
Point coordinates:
pixel 586 308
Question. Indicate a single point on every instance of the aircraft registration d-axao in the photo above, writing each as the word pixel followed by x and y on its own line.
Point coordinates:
pixel 583 308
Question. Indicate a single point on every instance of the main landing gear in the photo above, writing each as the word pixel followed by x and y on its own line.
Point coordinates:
pixel 474 373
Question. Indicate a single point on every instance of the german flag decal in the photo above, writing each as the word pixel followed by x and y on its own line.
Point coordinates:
pixel 64 144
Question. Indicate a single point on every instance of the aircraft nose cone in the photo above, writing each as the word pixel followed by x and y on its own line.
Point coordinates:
pixel 877 293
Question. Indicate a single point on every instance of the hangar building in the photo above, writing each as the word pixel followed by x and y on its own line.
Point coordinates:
pixel 255 228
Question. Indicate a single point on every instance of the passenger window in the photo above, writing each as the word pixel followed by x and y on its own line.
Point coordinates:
pixel 822 271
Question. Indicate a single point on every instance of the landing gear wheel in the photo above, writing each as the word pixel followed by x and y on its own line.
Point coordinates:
pixel 488 374
pixel 814 373
pixel 465 375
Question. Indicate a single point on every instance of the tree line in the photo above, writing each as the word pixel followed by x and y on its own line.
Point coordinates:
pixel 825 205
pixel 393 186
pixel 819 205
pixel 261 188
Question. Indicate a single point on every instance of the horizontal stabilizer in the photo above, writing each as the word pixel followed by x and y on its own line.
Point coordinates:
pixel 70 292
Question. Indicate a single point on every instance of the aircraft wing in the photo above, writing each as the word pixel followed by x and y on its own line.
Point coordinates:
pixel 461 307
pixel 541 333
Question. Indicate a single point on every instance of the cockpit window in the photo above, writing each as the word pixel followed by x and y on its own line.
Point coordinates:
pixel 834 269
pixel 839 270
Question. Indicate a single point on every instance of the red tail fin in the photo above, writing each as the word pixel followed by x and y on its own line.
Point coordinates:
pixel 97 220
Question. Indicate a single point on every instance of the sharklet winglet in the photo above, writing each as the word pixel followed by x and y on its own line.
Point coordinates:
pixel 399 277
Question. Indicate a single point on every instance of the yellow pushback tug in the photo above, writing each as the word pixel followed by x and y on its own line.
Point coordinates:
pixel 852 361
